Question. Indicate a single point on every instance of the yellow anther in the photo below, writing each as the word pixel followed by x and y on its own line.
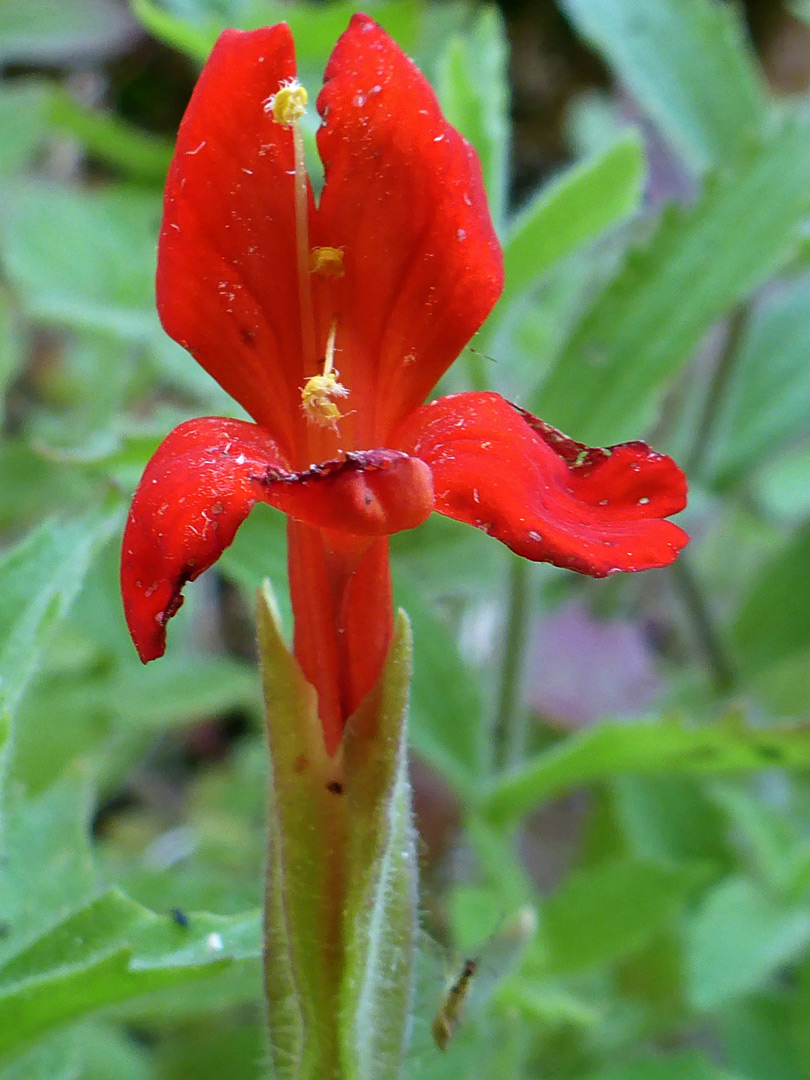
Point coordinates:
pixel 289 104
pixel 317 399
pixel 319 391
pixel 326 261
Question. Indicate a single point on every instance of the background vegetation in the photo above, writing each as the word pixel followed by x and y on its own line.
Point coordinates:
pixel 627 758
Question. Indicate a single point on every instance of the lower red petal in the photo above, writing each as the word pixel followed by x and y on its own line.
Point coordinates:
pixel 196 491
pixel 546 497
pixel 206 477
pixel 368 493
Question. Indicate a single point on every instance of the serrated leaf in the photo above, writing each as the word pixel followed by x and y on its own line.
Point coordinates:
pixel 699 262
pixel 572 211
pixel 767 401
pixel 688 64
pixel 643 748
pixel 737 941
pixel 69 947
pixel 39 579
pixel 472 86
pixel 47 870
pixel 108 951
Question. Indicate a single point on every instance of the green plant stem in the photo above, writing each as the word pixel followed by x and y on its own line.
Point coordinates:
pixel 512 720
pixel 717 389
pixel 719 666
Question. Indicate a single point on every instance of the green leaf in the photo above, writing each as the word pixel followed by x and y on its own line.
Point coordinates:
pixel 23 116
pixel 646 748
pixel 604 914
pixel 573 211
pixel 447 709
pixel 114 290
pixel 109 951
pixel 473 88
pixel 315 27
pixel 767 401
pixel 113 140
pixel 688 64
pixel 39 579
pixel 691 1065
pixel 41 31
pixel 194 39
pixel 699 262
pixel 68 947
pixel 774 619
pixel 669 819
pixel 758 1038
pixel 738 940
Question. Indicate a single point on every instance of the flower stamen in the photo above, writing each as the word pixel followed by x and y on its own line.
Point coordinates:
pixel 287 106
pixel 326 261
pixel 289 103
pixel 319 391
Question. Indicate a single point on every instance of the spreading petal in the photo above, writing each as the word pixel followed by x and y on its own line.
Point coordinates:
pixel 206 477
pixel 405 201
pixel 227 287
pixel 196 491
pixel 546 497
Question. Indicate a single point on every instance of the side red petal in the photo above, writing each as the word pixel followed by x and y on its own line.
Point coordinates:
pixel 227 286
pixel 405 200
pixel 367 493
pixel 195 493
pixel 547 498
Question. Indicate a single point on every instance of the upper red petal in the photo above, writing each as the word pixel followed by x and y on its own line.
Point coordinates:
pixel 546 497
pixel 196 491
pixel 227 285
pixel 405 200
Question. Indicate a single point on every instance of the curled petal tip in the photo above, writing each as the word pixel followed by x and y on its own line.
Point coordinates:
pixel 550 499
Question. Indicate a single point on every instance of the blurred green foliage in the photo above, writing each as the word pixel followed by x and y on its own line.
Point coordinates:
pixel 667 856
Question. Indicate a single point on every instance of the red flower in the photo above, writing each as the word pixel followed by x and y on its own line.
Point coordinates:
pixel 330 324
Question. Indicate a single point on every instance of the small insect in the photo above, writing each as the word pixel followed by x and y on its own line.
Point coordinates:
pixel 179 916
pixel 450 1011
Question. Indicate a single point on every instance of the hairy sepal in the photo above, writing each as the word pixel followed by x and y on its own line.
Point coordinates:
pixel 340 920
